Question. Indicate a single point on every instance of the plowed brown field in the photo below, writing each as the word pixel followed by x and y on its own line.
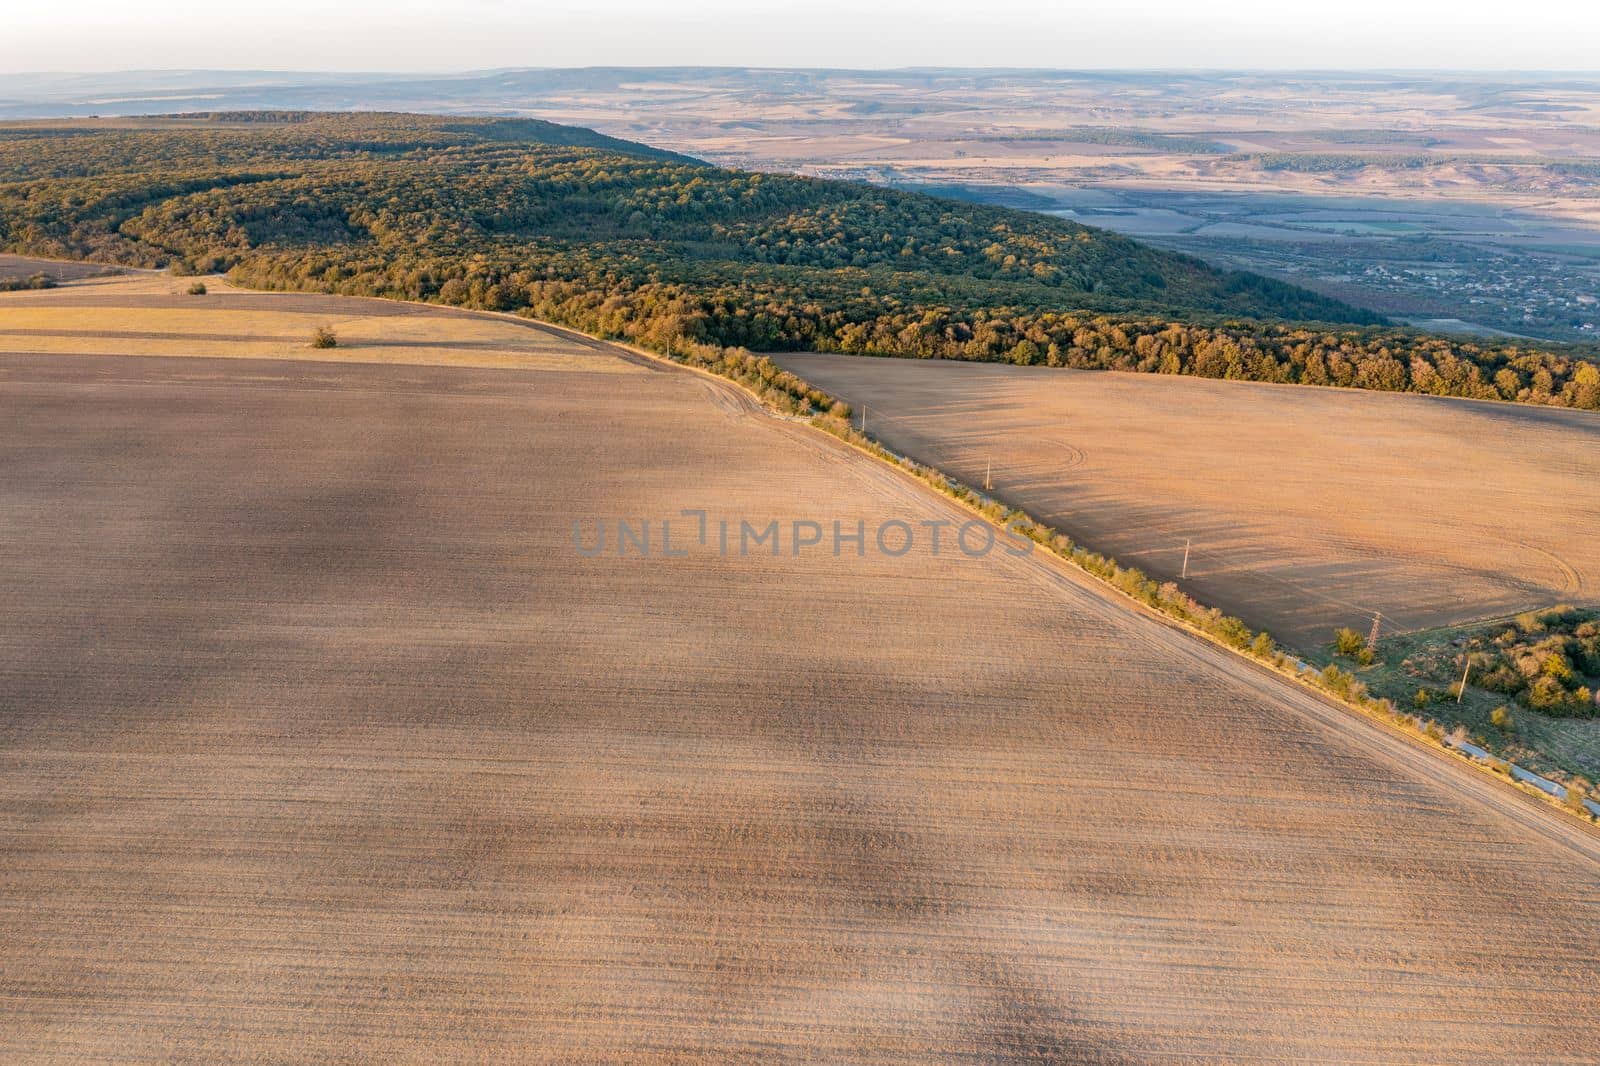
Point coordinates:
pixel 21 266
pixel 1306 509
pixel 319 742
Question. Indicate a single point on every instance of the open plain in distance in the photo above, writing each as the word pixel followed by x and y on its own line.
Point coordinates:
pixel 1454 201
pixel 320 741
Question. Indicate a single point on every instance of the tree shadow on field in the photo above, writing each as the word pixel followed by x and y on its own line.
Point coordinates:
pixel 1299 580
pixel 148 552
pixel 285 614
pixel 881 916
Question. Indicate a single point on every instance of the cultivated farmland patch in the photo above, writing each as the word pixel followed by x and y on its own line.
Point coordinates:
pixel 320 741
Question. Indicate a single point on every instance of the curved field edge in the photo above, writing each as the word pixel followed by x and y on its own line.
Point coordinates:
pixel 1171 604
pixel 788 395
pixel 1310 510
pixel 566 815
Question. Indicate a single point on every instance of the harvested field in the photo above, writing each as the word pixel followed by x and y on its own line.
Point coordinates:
pixel 320 742
pixel 59 270
pixel 1307 509
pixel 152 314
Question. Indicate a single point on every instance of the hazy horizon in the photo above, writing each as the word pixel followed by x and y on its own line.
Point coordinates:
pixel 464 72
pixel 407 36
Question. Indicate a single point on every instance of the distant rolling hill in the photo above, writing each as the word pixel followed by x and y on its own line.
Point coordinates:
pixel 213 190
pixel 625 240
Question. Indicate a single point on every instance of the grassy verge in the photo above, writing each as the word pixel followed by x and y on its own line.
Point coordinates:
pixel 1423 670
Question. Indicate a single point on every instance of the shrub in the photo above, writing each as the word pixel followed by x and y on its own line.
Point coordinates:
pixel 32 281
pixel 1546 694
pixel 197 289
pixel 1501 719
pixel 1337 681
pixel 1555 665
pixel 324 338
pixel 1504 678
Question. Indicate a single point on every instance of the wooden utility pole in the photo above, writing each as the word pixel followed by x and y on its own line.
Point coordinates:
pixel 1185 561
pixel 1464 675
pixel 863 419
pixel 1372 637
pixel 988 483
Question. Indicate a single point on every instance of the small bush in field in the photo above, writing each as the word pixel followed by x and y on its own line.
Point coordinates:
pixel 1347 641
pixel 324 338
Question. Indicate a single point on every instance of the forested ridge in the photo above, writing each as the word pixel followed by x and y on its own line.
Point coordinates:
pixel 627 241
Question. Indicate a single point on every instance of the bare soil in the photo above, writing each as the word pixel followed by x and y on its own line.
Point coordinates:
pixel 154 314
pixel 319 742
pixel 1305 509
pixel 59 270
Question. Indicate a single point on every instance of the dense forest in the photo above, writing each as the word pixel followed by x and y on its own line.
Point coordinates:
pixel 626 241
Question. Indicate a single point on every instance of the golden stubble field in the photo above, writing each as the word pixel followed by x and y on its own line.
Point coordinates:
pixel 1306 509
pixel 319 742
pixel 154 315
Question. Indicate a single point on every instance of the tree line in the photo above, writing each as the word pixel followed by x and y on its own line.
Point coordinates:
pixel 668 253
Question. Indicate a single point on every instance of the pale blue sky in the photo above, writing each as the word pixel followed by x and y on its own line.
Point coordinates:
pixel 473 34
